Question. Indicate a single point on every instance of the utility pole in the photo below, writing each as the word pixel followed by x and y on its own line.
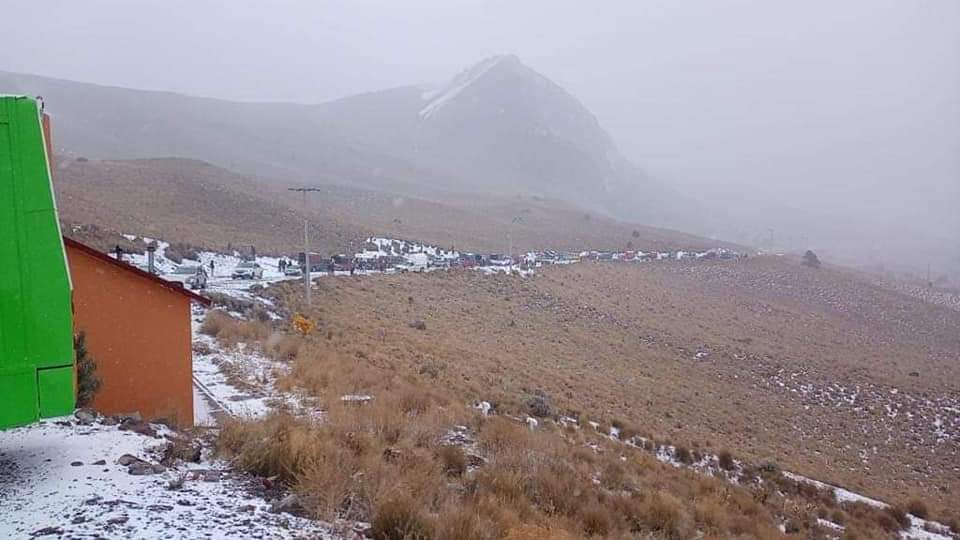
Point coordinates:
pixel 516 219
pixel 306 242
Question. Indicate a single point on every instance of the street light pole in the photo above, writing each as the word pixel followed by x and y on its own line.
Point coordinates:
pixel 306 243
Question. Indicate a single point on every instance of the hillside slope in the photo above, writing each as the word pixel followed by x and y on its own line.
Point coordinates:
pixel 192 201
pixel 817 371
pixel 498 128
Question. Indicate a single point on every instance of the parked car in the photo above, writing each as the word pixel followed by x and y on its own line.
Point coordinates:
pixel 248 270
pixel 415 262
pixel 320 267
pixel 440 263
pixel 343 263
pixel 292 270
pixel 469 260
pixel 194 277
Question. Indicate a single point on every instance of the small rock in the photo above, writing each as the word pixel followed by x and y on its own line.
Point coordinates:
pixel 76 464
pixel 418 324
pixel 78 520
pixel 484 407
pixel 119 520
pixel 133 417
pixel 473 460
pixel 47 531
pixel 289 504
pixel 139 427
pixel 85 416
pixel 100 462
pixel 127 459
pixel 142 468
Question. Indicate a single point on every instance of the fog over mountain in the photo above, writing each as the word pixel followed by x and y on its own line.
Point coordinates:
pixel 824 125
pixel 498 128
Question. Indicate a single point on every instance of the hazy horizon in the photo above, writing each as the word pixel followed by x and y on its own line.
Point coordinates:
pixel 849 111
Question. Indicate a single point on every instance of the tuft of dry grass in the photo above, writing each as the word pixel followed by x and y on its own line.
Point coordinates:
pixel 400 519
pixel 282 346
pixel 666 515
pixel 230 331
pixel 725 460
pixel 452 460
pixel 918 508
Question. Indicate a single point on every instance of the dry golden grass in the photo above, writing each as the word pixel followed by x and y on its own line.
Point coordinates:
pixel 231 331
pixel 387 461
pixel 583 352
pixel 615 344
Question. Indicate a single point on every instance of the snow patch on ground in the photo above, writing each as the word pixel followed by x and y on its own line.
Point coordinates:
pixel 920 529
pixel 50 482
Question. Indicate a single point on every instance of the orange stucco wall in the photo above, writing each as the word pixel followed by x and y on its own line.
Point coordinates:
pixel 140 337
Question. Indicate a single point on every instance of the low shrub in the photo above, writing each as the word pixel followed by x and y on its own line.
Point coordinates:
pixel 230 303
pixel 711 515
pixel 231 331
pixel 899 516
pixel 539 405
pixel 725 460
pixel 400 519
pixel 452 460
pixel 665 514
pixel 596 520
pixel 88 382
pixel 918 508
pixel 178 251
pixel 283 346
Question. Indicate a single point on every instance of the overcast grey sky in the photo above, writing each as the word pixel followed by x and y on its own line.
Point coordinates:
pixel 852 105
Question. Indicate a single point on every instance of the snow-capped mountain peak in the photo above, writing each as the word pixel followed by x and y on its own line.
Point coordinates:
pixel 436 99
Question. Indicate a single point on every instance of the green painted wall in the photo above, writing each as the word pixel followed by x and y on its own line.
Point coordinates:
pixel 36 328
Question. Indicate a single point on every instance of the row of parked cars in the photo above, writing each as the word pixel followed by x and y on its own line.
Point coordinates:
pixel 196 277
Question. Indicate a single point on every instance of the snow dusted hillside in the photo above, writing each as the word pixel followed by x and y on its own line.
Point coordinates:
pixel 436 99
pixel 85 477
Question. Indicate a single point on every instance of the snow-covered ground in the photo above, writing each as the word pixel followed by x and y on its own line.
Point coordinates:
pixel 62 479
pixel 920 529
pixel 59 478
pixel 237 381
